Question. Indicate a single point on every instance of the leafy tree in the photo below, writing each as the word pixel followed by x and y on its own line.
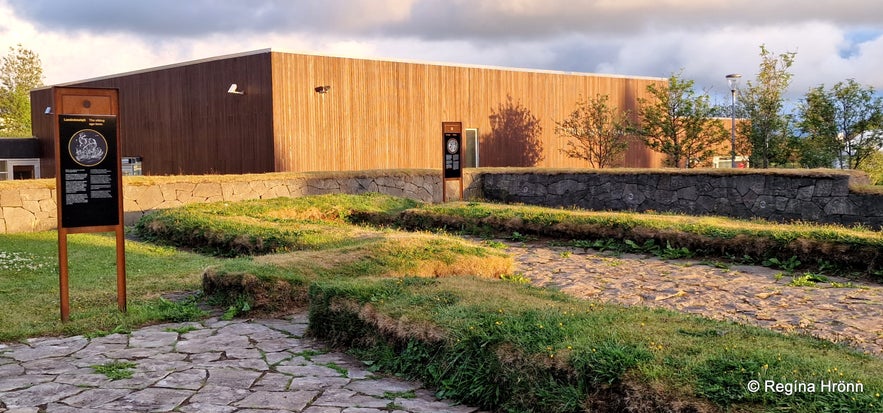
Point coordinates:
pixel 859 122
pixel 598 133
pixel 762 104
pixel 680 123
pixel 20 71
pixel 819 146
pixel 873 166
pixel 847 120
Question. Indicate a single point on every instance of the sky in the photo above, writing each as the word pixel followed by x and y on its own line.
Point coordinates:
pixel 703 40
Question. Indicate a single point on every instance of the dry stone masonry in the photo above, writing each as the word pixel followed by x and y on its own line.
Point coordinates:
pixel 779 196
pixel 26 207
pixel 783 195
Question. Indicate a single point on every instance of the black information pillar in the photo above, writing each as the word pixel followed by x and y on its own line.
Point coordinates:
pixel 89 171
pixel 88 176
pixel 452 137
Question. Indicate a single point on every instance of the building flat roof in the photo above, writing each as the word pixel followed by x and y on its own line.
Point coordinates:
pixel 276 50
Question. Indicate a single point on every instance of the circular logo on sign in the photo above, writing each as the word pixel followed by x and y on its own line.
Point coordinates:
pixel 87 147
pixel 453 145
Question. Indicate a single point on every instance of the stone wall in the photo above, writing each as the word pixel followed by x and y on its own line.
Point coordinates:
pixel 30 205
pixel 776 195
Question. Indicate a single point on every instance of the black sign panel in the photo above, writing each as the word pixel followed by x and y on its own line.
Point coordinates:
pixel 453 161
pixel 89 178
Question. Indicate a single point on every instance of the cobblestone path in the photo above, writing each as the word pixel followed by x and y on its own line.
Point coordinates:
pixel 246 366
pixel 748 294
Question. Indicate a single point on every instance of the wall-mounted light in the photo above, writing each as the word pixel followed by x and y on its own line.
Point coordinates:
pixel 48 110
pixel 234 89
pixel 322 89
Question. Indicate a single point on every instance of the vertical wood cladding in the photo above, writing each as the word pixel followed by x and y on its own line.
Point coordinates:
pixel 381 114
pixel 376 114
pixel 181 120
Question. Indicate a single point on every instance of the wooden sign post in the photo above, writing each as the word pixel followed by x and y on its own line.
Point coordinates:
pixel 452 139
pixel 89 190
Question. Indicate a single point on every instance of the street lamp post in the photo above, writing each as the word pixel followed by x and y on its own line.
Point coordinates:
pixel 732 79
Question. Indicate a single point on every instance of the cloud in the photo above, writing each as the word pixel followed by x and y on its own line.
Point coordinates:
pixel 834 39
pixel 432 19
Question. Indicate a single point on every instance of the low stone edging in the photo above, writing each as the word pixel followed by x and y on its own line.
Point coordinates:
pixel 777 195
pixel 27 206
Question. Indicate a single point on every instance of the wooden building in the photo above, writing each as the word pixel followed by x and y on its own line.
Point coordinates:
pixel 300 112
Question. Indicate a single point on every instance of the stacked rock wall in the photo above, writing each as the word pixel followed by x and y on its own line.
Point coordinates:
pixel 30 205
pixel 819 196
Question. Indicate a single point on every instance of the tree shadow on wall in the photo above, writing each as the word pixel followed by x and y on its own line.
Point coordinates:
pixel 514 139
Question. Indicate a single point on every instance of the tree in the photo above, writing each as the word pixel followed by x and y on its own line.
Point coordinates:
pixel 847 120
pixel 819 146
pixel 858 120
pixel 20 71
pixel 761 103
pixel 596 132
pixel 679 123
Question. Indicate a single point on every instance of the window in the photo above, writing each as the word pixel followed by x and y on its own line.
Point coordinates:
pixel 19 169
pixel 470 148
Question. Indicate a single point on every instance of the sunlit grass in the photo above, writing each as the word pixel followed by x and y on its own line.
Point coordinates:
pixel 29 292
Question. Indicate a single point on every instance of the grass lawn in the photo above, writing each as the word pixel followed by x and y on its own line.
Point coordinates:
pixel 29 296
pixel 431 306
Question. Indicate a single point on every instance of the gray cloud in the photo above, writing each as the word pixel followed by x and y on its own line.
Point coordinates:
pixel 435 19
pixel 834 39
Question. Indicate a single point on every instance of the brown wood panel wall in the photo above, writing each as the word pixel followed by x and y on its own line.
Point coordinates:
pixel 181 120
pixel 377 114
pixel 382 114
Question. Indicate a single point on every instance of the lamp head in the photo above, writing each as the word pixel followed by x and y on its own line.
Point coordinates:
pixel 234 89
pixel 733 79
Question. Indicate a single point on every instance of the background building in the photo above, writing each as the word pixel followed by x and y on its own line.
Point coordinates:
pixel 267 111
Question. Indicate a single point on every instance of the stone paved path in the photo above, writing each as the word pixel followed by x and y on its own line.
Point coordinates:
pixel 747 294
pixel 240 366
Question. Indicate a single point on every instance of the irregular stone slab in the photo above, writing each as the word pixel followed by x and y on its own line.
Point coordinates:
pixel 317 383
pixel 94 398
pixel 272 382
pixel 419 405
pixel 163 400
pixel 212 344
pixel 192 379
pixel 39 394
pixel 383 386
pixel 310 370
pixel 291 400
pixel 348 398
pixel 22 382
pixel 11 370
pixel 212 395
pixel 83 378
pixel 323 409
pixel 50 366
pixel 61 408
pixel 207 408
pixel 243 353
pixel 295 329
pixel 48 349
pixel 232 378
pixel 293 345
pixel 152 339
